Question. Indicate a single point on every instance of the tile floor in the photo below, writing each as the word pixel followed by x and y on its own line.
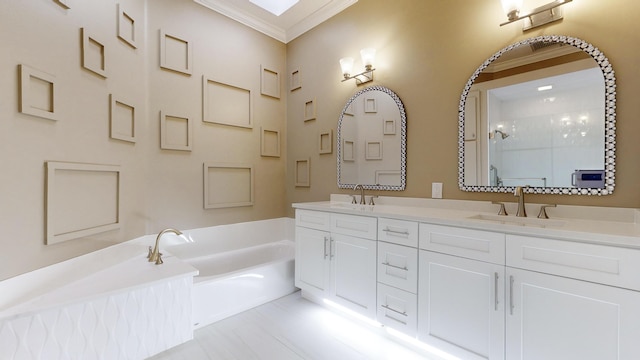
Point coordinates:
pixel 290 328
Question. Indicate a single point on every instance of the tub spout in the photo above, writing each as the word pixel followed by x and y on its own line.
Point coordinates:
pixel 155 255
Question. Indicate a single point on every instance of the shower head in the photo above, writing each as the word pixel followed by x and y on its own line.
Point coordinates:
pixel 502 134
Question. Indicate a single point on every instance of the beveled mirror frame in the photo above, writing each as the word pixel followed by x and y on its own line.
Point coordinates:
pixel 610 122
pixel 403 143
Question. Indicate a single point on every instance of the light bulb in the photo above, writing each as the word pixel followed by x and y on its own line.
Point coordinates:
pixel 346 64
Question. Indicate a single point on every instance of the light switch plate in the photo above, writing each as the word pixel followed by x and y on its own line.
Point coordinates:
pixel 436 190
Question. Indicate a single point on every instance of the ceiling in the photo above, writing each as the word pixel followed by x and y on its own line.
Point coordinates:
pixel 302 17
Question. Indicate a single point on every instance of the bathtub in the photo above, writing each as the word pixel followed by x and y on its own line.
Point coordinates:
pixel 113 303
pixel 238 270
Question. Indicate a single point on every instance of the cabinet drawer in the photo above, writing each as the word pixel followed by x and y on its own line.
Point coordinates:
pixel 398 266
pixel 397 309
pixel 313 219
pixel 473 244
pixel 595 263
pixel 360 226
pixel 398 231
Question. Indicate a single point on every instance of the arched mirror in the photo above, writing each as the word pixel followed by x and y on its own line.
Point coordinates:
pixel 372 141
pixel 540 113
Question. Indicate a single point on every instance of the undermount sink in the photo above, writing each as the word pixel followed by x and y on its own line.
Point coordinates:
pixel 518 221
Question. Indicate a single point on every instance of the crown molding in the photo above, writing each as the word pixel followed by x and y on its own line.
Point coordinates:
pixel 276 31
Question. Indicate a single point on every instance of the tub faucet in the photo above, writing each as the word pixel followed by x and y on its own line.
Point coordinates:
pixel 522 212
pixel 355 188
pixel 155 254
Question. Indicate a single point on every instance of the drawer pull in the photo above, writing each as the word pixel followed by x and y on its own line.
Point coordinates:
pixel 403 313
pixel 394 232
pixel 495 290
pixel 332 248
pixel 396 267
pixel 325 247
pixel 511 294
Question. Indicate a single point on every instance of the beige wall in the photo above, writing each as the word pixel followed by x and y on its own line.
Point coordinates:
pixel 159 188
pixel 426 52
pixel 228 52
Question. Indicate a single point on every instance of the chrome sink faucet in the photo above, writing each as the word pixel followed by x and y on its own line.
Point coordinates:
pixel 522 212
pixel 155 254
pixel 362 200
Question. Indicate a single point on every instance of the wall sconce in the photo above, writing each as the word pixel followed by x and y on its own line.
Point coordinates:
pixel 537 17
pixel 368 56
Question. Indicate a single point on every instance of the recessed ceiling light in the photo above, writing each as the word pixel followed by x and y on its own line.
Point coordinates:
pixel 276 7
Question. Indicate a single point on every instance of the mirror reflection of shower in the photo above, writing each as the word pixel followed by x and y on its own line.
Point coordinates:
pixel 503 134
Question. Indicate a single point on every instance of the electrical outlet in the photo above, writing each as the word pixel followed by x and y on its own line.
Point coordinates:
pixel 436 190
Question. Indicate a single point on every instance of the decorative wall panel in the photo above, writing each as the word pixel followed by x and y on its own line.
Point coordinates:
pixel 176 132
pixel 176 53
pixel 37 93
pixel 126 27
pixel 295 81
pixel 349 150
pixel 93 54
pixel 269 143
pixel 389 127
pixel 228 185
pixel 302 173
pixel 122 120
pixel 81 200
pixel 66 4
pixel 226 104
pixel 373 150
pixel 325 142
pixel 269 82
pixel 309 110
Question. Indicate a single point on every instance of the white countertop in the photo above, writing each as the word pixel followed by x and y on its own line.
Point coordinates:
pixel 607 226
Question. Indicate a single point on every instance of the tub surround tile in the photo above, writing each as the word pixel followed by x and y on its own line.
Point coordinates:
pixel 130 325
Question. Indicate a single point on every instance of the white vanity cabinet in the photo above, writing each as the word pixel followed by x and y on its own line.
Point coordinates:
pixel 461 292
pixel 336 259
pixel 398 275
pixel 479 290
pixel 552 315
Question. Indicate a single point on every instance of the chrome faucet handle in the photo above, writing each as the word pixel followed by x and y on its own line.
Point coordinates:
pixel 543 211
pixel 503 210
pixel 353 199
pixel 159 259
pixel 150 252
pixel 371 199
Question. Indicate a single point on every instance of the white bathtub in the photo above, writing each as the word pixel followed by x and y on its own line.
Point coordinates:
pixel 241 266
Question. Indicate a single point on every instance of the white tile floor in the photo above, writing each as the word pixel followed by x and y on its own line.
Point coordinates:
pixel 289 328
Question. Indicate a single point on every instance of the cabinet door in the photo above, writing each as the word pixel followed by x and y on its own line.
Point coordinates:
pixel 461 306
pixel 551 317
pixel 312 259
pixel 353 273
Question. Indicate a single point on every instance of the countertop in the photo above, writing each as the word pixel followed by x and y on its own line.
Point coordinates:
pixel 605 226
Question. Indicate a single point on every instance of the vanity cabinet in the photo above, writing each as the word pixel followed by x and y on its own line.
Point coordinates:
pixel 553 313
pixel 497 293
pixel 398 275
pixel 336 259
pixel 461 292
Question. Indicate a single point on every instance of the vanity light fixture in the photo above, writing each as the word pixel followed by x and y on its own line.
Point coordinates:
pixel 368 57
pixel 537 17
